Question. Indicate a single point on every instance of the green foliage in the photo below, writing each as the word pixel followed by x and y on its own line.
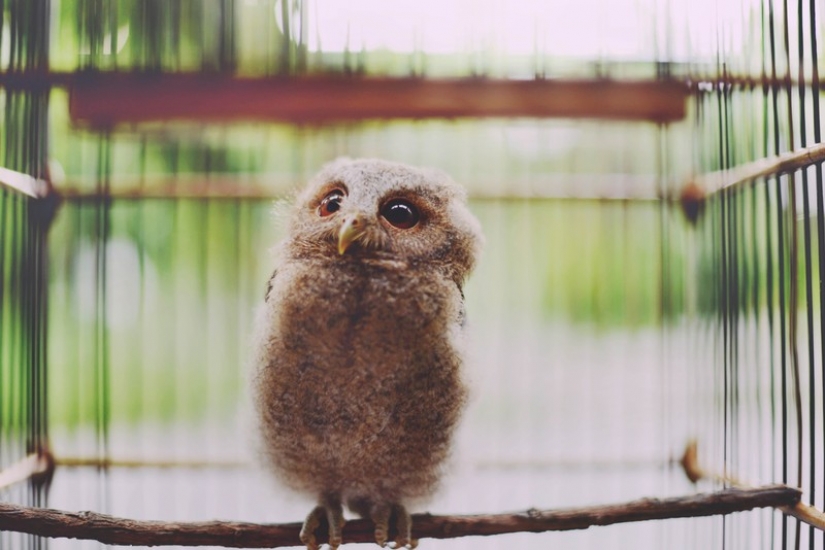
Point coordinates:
pixel 173 292
pixel 591 262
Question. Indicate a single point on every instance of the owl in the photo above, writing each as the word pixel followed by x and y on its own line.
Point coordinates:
pixel 358 364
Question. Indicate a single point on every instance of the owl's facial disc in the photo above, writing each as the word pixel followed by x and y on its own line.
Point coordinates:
pixel 352 228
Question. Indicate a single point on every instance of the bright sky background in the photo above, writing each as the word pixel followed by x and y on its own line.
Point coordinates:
pixel 592 29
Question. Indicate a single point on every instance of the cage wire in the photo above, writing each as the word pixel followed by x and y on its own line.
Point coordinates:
pixel 24 219
pixel 644 284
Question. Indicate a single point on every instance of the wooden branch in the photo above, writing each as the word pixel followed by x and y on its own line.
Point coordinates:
pixel 112 530
pixel 107 99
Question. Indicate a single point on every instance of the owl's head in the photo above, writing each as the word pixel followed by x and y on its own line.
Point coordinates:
pixel 374 209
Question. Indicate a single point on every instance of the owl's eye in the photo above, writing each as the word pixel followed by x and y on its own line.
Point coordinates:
pixel 400 213
pixel 331 203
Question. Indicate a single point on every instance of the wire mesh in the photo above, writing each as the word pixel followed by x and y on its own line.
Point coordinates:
pixel 608 330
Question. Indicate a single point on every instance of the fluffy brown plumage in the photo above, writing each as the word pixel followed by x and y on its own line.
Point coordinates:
pixel 358 366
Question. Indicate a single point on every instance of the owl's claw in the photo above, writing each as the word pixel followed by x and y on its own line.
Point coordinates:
pixel 311 523
pixel 335 519
pixel 403 524
pixel 381 515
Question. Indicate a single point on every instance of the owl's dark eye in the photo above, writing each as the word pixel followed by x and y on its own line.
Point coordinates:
pixel 400 213
pixel 331 203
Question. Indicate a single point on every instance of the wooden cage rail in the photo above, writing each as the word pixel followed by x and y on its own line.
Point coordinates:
pixel 23 183
pixel 30 467
pixel 245 186
pixel 126 98
pixel 771 166
pixel 696 191
pixel 107 99
pixel 42 465
pixel 120 531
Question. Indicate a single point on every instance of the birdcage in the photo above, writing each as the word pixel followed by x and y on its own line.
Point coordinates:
pixel 646 321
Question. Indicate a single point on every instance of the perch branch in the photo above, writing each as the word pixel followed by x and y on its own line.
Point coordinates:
pixel 119 531
pixel 694 471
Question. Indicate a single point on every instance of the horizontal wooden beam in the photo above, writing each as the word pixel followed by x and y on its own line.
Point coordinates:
pixel 275 186
pixel 108 99
pixel 102 100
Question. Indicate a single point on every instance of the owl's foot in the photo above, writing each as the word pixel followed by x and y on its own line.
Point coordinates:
pixel 381 515
pixel 334 515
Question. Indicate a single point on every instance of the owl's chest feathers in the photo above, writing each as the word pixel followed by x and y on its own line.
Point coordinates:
pixel 365 346
pixel 360 315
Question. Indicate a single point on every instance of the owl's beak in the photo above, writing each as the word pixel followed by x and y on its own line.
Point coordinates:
pixel 352 228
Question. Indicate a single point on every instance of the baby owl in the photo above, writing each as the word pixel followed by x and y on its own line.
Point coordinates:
pixel 358 363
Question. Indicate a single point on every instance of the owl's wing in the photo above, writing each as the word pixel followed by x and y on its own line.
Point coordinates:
pixel 462 313
pixel 269 286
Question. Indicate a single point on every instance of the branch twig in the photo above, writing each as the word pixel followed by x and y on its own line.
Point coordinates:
pixel 694 471
pixel 121 531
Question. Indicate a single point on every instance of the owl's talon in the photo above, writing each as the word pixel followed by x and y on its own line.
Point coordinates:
pixel 403 526
pixel 311 523
pixel 380 515
pixel 335 518
pixel 334 515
